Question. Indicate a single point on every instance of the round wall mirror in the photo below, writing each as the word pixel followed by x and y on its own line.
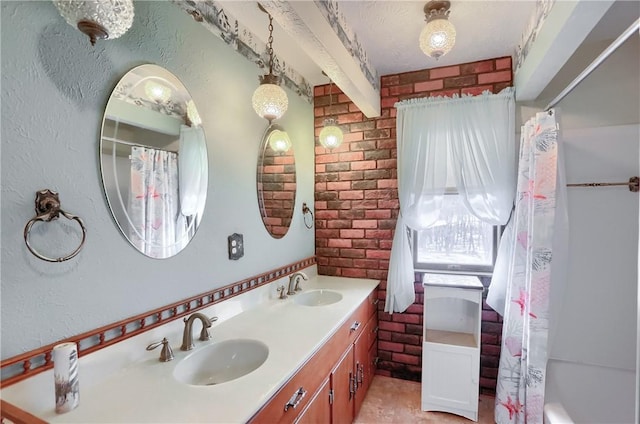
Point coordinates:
pixel 153 159
pixel 276 181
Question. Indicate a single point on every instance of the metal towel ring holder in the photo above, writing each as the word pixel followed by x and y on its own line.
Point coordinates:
pixel 48 209
pixel 305 211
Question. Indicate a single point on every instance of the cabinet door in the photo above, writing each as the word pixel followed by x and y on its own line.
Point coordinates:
pixel 361 354
pixel 450 378
pixel 342 384
pixel 319 409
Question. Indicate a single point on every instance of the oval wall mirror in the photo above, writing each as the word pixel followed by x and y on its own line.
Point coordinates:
pixel 153 160
pixel 276 181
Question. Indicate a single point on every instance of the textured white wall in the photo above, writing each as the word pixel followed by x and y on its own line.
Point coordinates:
pixel 55 87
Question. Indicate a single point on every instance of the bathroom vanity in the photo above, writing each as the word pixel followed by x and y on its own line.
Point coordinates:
pixel 320 358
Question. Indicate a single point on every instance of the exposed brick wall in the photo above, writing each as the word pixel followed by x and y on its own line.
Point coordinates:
pixel 356 202
pixel 277 189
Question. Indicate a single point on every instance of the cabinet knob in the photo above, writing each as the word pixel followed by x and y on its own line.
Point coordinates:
pixel 355 326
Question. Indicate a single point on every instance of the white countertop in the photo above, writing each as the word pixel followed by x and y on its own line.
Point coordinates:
pixel 146 391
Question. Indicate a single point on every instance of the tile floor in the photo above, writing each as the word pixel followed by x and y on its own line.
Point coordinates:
pixel 395 401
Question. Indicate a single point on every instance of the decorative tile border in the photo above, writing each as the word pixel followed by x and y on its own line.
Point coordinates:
pixel 38 360
pixel 240 38
pixel 349 39
pixel 531 31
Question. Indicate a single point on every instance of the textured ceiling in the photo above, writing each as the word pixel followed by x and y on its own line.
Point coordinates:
pixel 389 30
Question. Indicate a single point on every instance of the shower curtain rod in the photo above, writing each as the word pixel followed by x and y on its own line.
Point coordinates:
pixel 633 184
pixel 128 143
pixel 597 62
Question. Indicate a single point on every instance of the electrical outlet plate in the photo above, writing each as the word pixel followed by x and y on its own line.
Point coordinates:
pixel 236 246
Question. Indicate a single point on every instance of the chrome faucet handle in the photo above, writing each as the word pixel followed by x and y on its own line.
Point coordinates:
pixel 297 288
pixel 204 333
pixel 166 354
pixel 283 293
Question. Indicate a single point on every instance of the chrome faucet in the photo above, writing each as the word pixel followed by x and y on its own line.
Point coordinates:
pixel 294 282
pixel 187 336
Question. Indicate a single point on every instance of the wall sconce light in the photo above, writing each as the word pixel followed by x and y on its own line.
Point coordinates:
pixel 270 100
pixel 439 35
pixel 279 141
pixel 97 18
pixel 157 92
pixel 331 135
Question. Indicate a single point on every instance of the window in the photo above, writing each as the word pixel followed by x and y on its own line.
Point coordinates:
pixel 458 242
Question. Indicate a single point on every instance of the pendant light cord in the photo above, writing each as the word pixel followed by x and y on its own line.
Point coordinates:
pixel 270 44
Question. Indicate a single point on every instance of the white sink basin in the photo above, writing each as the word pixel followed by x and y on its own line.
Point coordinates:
pixel 317 298
pixel 221 362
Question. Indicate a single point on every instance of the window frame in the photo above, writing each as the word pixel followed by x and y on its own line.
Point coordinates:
pixel 444 268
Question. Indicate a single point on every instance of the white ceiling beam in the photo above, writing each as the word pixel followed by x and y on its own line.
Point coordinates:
pixel 306 24
pixel 564 29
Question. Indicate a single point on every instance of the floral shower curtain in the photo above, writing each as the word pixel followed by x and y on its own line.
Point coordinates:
pixel 522 276
pixel 154 202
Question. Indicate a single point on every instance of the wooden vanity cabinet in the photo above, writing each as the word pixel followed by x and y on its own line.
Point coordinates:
pixel 331 385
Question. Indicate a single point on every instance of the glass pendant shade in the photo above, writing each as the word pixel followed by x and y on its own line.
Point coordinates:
pixel 270 101
pixel 279 141
pixel 437 37
pixel 98 18
pixel 331 135
pixel 157 92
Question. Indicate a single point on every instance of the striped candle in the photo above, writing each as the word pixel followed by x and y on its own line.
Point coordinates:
pixel 65 372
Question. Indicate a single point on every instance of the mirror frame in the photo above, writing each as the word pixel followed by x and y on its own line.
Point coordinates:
pixel 276 213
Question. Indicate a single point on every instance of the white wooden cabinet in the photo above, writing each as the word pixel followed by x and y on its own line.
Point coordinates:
pixel 451 344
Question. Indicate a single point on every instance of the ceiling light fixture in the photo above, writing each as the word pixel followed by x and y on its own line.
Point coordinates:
pixel 157 92
pixel 439 35
pixel 97 18
pixel 269 100
pixel 331 135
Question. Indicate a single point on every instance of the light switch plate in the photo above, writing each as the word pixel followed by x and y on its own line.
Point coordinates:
pixel 236 246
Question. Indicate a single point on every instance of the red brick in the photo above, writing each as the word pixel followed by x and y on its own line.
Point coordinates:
pixel 343 243
pixel 326 158
pixel 351 156
pixel 377 274
pixel 387 163
pixel 388 204
pixel 352 234
pixel 490 316
pixel 390 346
pixel 364 204
pixel 365 244
pixel 318 90
pixel 410 339
pixel 365 263
pixel 406 359
pixel 384 335
pixel 498 76
pixel 386 123
pixel 504 63
pixel 354 273
pixel 378 254
pixel 353 136
pixel 341 262
pixel 347 118
pixel 325 214
pixel 477 67
pixel 490 350
pixel 401 89
pixel 339 185
pixel 463 81
pixel 388 102
pixel 377 214
pixel 320 168
pixel 389 80
pixel 450 71
pixel 397 327
pixel 351 195
pixel 361 165
pixel 365 223
pixel 327 233
pixel 406 318
pixel 387 184
pixel 413 350
pixel 425 86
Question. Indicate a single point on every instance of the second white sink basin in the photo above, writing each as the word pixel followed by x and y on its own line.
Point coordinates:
pixel 317 298
pixel 221 362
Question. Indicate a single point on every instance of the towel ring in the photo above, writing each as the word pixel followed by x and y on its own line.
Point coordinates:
pixel 305 211
pixel 48 209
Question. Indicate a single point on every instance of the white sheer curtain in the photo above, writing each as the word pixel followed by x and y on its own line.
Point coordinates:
pixel 153 201
pixel 473 135
pixel 193 171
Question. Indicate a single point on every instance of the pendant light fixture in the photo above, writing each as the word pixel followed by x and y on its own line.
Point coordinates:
pixel 269 100
pixel 439 35
pixel 97 18
pixel 331 135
